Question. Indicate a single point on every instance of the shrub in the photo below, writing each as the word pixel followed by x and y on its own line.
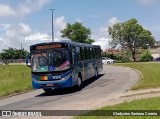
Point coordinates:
pixel 146 56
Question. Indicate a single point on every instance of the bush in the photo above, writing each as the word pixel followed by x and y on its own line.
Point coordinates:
pixel 146 56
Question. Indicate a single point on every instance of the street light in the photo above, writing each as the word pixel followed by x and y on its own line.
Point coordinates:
pixel 52 25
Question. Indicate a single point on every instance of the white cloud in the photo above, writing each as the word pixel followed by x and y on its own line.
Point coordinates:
pixel 112 21
pixel 19 34
pixel 101 35
pixel 4 26
pixel 37 37
pixel 14 35
pixel 22 33
pixel 103 42
pixel 148 2
pixel 25 8
pixel 60 24
pixel 6 10
pixel 30 6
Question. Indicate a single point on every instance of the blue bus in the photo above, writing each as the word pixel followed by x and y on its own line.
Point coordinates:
pixel 63 64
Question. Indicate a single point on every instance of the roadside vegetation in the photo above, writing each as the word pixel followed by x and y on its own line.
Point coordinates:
pixel 14 79
pixel 150 79
pixel 144 104
pixel 150 72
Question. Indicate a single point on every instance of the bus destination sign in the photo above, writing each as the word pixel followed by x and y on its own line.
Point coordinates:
pixel 51 46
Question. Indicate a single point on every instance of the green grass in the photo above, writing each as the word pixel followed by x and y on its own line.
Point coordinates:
pixel 151 74
pixel 150 79
pixel 144 104
pixel 14 79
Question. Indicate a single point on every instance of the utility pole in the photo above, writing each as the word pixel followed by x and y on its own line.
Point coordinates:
pixel 52 25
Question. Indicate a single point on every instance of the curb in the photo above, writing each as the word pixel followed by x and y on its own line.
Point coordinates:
pixel 14 94
pixel 140 74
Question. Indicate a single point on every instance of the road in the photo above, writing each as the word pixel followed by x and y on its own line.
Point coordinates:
pixel 111 84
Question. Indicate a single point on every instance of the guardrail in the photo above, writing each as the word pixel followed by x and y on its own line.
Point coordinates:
pixel 13 62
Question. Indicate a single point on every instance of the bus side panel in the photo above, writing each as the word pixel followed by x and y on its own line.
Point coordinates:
pixel 78 68
pixel 89 69
pixel 99 65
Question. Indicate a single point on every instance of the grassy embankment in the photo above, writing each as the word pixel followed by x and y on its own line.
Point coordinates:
pixel 14 79
pixel 151 79
pixel 150 72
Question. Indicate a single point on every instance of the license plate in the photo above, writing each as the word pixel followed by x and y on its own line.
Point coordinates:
pixel 49 85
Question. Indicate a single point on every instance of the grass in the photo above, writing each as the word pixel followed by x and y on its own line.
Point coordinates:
pixel 144 104
pixel 151 74
pixel 14 79
pixel 150 79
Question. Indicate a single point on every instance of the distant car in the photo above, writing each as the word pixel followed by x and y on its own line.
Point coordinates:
pixel 106 60
pixel 158 59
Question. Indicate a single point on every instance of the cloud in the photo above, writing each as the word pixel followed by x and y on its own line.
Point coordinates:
pixel 4 26
pixel 101 35
pixel 25 8
pixel 38 37
pixel 6 10
pixel 14 35
pixel 148 2
pixel 112 21
pixel 31 5
pixel 19 34
pixel 103 42
pixel 60 24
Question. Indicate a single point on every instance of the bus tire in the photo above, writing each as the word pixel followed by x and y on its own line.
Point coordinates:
pixel 48 90
pixel 79 81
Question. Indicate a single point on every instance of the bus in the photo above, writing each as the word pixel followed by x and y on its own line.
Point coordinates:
pixel 63 64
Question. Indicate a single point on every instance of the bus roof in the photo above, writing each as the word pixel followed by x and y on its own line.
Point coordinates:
pixel 68 42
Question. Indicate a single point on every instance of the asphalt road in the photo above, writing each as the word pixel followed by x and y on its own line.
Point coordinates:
pixel 110 85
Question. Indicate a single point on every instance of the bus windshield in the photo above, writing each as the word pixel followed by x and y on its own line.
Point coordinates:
pixel 54 60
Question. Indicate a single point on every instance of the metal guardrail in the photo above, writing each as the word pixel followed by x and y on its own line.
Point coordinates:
pixel 13 61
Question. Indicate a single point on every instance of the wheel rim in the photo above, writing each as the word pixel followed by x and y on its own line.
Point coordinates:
pixel 79 81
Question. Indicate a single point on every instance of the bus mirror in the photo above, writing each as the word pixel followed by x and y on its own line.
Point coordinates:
pixel 28 56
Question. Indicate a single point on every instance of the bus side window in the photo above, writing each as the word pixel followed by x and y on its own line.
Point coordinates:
pixel 78 53
pixel 82 53
pixel 74 58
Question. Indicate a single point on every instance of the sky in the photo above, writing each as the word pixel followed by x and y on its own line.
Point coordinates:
pixel 28 22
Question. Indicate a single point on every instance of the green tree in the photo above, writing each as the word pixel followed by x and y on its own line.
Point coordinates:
pixel 13 53
pixel 130 35
pixel 77 32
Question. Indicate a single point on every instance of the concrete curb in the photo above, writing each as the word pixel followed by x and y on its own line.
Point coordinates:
pixel 14 94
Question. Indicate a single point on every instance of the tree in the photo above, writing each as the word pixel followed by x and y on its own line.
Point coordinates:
pixel 13 53
pixel 130 35
pixel 77 32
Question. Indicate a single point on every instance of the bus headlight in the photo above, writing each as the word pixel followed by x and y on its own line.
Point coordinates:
pixel 66 77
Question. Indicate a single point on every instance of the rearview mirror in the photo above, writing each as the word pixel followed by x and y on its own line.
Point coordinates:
pixel 28 57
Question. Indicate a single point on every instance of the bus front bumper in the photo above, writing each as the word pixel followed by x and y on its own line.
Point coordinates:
pixel 51 84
